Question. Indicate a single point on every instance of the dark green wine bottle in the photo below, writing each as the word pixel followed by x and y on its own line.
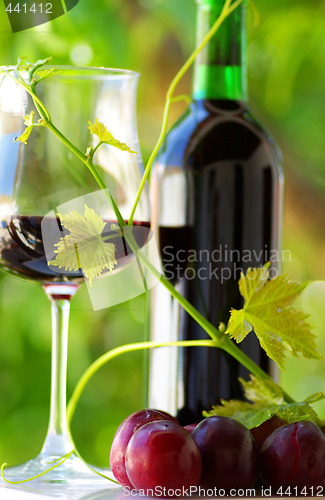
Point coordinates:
pixel 216 207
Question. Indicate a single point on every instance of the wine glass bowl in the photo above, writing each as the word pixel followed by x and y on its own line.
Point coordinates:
pixel 42 176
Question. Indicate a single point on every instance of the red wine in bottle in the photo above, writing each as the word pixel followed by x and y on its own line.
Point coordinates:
pixel 216 210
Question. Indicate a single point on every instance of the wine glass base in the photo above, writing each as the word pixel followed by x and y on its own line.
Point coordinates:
pixel 71 471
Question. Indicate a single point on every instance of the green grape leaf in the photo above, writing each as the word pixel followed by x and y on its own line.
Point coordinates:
pixel 105 136
pixel 248 414
pixel 265 399
pixel 253 415
pixel 29 122
pixel 84 248
pixel 293 412
pixel 269 312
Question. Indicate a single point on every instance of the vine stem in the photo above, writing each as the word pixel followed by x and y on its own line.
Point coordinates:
pixel 113 353
pixel 59 462
pixel 222 341
pixel 228 8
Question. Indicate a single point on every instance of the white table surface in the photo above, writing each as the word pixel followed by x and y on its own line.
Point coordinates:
pixel 51 492
pixel 34 491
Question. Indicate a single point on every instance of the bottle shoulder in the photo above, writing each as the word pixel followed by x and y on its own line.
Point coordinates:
pixel 216 129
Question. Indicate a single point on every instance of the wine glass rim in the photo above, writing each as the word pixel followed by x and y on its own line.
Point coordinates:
pixel 100 72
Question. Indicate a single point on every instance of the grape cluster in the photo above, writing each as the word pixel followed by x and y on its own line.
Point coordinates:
pixel 151 450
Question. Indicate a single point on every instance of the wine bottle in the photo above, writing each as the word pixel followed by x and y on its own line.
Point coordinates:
pixel 216 191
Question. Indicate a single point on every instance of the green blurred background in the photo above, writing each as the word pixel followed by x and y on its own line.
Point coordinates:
pixel 286 54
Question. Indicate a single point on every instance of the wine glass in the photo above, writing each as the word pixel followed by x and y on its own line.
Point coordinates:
pixel 44 176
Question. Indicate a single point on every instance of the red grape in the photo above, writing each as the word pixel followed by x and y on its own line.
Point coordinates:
pixel 229 456
pixel 294 455
pixel 261 432
pixel 162 454
pixel 122 437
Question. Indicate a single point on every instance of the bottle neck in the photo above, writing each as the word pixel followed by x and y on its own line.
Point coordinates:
pixel 220 68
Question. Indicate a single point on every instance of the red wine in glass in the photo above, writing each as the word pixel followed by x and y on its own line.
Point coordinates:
pixel 22 252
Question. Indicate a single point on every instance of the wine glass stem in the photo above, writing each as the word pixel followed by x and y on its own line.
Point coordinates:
pixel 58 441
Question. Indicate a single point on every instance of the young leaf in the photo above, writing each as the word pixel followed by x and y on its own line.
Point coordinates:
pixel 265 399
pixel 46 73
pixel 29 119
pixel 84 248
pixel 105 136
pixel 269 312
pixel 262 391
pixel 24 136
pixel 24 64
pixel 314 398
pixel 29 122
